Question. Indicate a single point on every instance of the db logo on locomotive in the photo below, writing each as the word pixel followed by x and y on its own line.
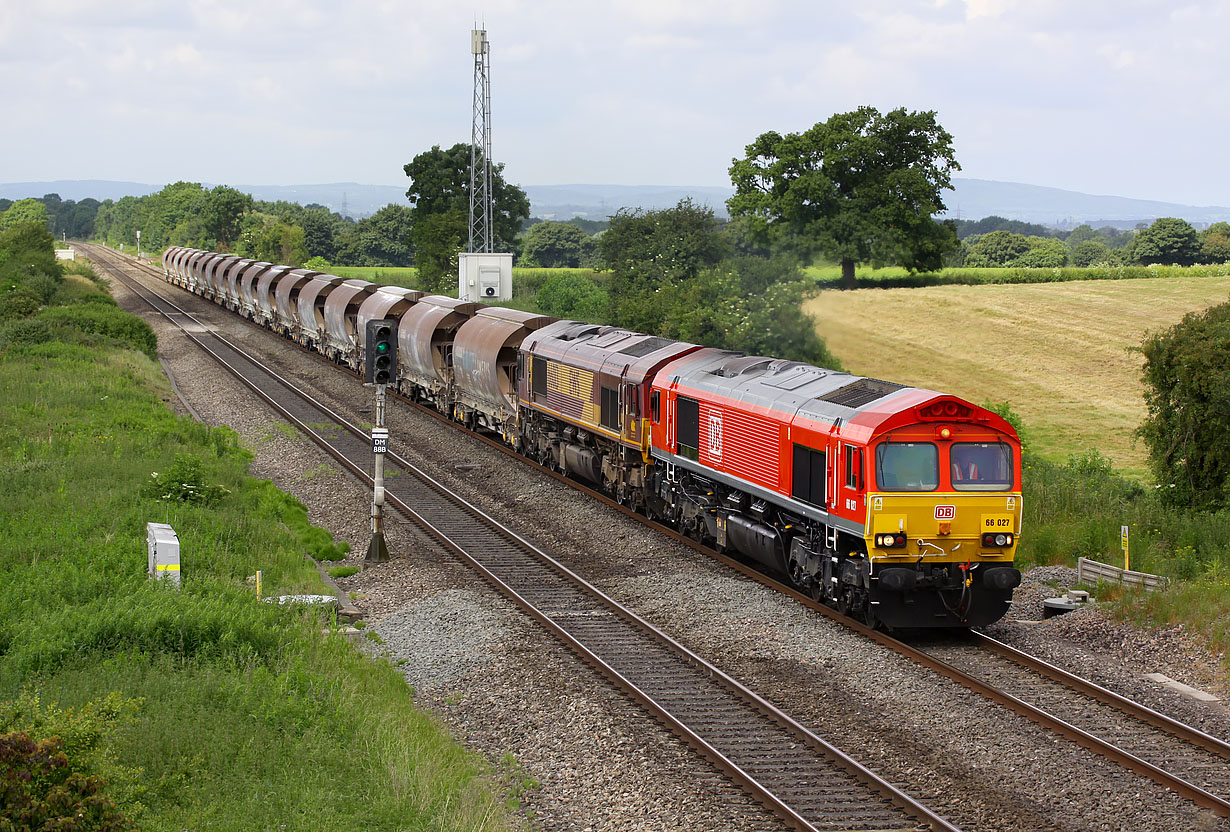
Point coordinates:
pixel 945 512
pixel 715 435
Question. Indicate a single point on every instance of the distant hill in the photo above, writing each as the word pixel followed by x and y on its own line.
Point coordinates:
pixel 977 198
pixel 972 199
pixel 77 189
pixel 597 202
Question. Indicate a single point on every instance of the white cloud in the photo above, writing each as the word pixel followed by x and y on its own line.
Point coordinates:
pixel 975 9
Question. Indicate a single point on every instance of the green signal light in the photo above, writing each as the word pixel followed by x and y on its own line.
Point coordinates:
pixel 382 346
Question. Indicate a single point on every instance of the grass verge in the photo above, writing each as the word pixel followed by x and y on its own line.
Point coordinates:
pixel 236 714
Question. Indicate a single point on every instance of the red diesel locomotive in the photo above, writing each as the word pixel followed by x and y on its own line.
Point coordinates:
pixel 898 505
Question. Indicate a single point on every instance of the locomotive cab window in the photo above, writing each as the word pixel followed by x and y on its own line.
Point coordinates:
pixel 981 466
pixel 687 427
pixel 907 466
pixel 854 467
pixel 655 406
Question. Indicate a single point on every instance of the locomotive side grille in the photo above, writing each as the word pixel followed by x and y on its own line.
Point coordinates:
pixel 859 393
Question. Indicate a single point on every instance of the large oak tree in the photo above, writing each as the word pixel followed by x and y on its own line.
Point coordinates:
pixel 440 191
pixel 862 186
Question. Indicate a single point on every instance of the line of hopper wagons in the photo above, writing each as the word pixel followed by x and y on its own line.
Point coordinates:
pixel 897 505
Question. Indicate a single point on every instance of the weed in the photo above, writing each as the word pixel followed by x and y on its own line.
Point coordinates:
pixel 184 483
pixel 343 571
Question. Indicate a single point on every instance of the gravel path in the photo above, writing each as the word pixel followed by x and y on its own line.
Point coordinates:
pixel 539 714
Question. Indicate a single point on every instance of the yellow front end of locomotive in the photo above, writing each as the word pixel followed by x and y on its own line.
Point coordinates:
pixel 950 527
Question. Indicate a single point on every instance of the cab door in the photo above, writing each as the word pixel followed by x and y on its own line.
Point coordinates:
pixel 852 479
pixel 629 413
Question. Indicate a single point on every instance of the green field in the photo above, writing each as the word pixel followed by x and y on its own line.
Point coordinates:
pixel 1059 353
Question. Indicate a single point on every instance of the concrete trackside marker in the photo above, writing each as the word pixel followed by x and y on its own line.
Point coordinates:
pixel 1186 690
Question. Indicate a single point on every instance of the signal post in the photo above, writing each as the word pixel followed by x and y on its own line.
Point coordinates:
pixel 380 370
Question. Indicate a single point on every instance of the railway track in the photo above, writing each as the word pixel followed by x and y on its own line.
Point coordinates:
pixel 806 781
pixel 1182 759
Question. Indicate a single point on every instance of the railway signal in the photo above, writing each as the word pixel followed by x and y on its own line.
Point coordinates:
pixel 381 352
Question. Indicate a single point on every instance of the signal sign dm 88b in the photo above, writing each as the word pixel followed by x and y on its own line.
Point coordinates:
pixel 380 349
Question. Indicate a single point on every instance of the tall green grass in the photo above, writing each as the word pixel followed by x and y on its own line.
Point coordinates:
pixel 246 715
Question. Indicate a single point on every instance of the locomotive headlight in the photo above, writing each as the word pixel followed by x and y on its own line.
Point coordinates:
pixel 890 541
pixel 997 541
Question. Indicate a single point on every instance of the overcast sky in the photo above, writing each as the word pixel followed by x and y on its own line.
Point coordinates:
pixel 1124 97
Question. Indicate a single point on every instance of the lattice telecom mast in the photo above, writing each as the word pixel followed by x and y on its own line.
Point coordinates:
pixel 481 228
pixel 483 274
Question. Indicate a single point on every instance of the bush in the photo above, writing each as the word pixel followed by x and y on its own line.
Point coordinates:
pixel 27 251
pixel 574 296
pixel 1088 252
pixel 999 248
pixel 184 483
pixel 25 332
pixel 19 303
pixel 55 764
pixel 102 319
pixel 557 245
pixel 1187 391
pixel 41 791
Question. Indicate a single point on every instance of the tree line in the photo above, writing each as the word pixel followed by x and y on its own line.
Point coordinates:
pixel 1166 241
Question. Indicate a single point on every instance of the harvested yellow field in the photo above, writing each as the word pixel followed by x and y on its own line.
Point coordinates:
pixel 1060 353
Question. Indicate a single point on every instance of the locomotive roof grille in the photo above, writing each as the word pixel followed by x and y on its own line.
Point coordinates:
pixel 645 347
pixel 861 392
